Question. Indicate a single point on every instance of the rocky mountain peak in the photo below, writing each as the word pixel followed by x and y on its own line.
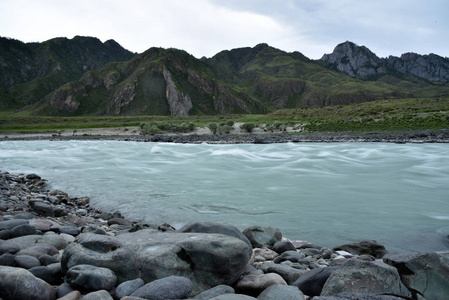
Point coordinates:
pixel 354 60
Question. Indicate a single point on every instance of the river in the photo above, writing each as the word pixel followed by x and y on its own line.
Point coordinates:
pixel 325 193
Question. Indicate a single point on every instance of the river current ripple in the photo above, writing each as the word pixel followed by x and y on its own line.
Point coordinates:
pixel 325 193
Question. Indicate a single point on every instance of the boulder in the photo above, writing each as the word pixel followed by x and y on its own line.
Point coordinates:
pixel 359 276
pixel 279 291
pixel 425 274
pixel 128 287
pixel 12 281
pixel 370 247
pixel 209 227
pixel 29 240
pixel 358 296
pixel 7 259
pixel 51 274
pixel 67 229
pixel 26 261
pixel 98 295
pixel 10 224
pixel 289 274
pixel 172 287
pixel 39 250
pixel 282 246
pixel 22 230
pixel 214 292
pixel 311 282
pixel 262 236
pixel 233 297
pixel 206 259
pixel 91 278
pixel 43 209
pixel 254 284
pixel 8 246
pixel 74 295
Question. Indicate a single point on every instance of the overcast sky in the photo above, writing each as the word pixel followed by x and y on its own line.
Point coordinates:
pixel 205 27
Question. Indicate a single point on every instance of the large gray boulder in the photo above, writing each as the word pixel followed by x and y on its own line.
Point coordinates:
pixel 210 227
pixel 359 276
pixel 262 236
pixel 20 284
pixel 30 240
pixel 172 287
pixel 206 259
pixel 279 291
pixel 425 274
pixel 91 278
pixel 311 282
pixel 254 284
pixel 370 247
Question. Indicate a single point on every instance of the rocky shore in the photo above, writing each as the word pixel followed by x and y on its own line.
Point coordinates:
pixel 53 246
pixel 237 136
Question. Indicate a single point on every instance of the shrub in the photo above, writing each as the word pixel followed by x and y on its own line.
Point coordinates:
pixel 224 128
pixel 213 127
pixel 150 129
pixel 248 127
pixel 230 123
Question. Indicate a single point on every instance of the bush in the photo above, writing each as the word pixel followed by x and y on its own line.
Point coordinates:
pixel 213 127
pixel 150 129
pixel 248 127
pixel 224 128
pixel 230 123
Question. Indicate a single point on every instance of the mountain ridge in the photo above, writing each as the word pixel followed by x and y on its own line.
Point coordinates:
pixel 248 80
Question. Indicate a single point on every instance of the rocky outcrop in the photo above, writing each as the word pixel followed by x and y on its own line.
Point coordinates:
pixel 424 274
pixel 354 60
pixel 359 61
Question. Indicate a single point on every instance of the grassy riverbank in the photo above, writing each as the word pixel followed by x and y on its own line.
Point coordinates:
pixel 384 115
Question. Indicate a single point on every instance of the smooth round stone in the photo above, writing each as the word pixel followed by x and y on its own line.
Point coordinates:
pixel 41 224
pixel 26 261
pixel 91 278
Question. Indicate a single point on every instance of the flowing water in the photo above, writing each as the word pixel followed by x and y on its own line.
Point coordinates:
pixel 325 193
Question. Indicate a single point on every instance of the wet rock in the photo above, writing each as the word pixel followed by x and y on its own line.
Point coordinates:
pixel 64 289
pixel 282 246
pixel 254 284
pixel 289 274
pixel 214 292
pixel 43 209
pixel 10 224
pixel 425 274
pixel 262 235
pixel 292 256
pixel 311 282
pixel 91 278
pixel 41 224
pixel 67 229
pixel 51 274
pixel 172 287
pixel 98 295
pixel 233 297
pixel 358 276
pixel 369 247
pixel 128 287
pixel 206 259
pixel 12 281
pixel 358 296
pixel 26 261
pixel 27 241
pixel 279 291
pixel 38 250
pixel 8 246
pixel 22 230
pixel 73 295
pixel 7 259
pixel 209 227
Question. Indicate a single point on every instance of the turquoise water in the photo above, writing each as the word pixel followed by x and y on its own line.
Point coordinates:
pixel 325 193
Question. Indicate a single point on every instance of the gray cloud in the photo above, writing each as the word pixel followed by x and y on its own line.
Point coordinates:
pixel 205 27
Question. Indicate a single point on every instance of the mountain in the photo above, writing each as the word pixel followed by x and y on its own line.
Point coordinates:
pixel 30 71
pixel 359 61
pixel 244 80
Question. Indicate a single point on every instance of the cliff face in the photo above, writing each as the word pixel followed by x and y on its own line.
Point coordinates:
pixel 360 62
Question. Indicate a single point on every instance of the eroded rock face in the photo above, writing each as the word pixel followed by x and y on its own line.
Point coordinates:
pixel 425 274
pixel 180 104
pixel 206 259
pixel 358 276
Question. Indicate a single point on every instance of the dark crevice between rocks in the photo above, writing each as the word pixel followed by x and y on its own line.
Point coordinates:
pixel 184 255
